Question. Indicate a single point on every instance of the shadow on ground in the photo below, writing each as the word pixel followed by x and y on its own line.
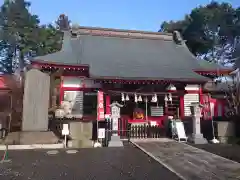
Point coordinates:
pixel 87 164
pixel 229 151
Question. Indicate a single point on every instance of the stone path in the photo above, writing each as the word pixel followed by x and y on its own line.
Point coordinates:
pixel 190 163
pixel 124 163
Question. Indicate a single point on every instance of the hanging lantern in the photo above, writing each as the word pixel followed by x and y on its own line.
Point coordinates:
pixel 154 98
pixel 127 98
pixel 140 98
pixel 135 98
pixel 170 97
pixel 171 87
pixel 166 98
pixel 123 99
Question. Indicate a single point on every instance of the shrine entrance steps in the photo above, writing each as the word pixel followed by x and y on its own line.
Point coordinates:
pixel 189 162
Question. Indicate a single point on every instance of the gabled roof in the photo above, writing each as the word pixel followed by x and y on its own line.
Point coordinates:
pixel 65 56
pixel 126 54
pixel 211 66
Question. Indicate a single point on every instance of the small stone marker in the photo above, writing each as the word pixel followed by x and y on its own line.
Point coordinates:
pixel 35 101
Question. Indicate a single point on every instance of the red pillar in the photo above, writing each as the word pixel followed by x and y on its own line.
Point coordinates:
pixel 200 95
pixel 181 106
pixel 201 101
pixel 61 91
pixel 108 102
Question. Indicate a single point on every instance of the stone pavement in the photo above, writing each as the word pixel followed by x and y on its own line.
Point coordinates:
pixel 122 163
pixel 188 162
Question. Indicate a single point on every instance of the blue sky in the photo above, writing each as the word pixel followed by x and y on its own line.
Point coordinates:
pixel 124 14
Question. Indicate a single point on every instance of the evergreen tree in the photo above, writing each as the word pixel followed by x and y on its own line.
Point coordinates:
pixel 210 31
pixel 21 36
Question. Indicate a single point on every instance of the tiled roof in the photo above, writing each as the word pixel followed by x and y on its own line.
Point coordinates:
pixel 127 54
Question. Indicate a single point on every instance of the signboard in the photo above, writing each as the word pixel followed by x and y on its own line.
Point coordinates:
pixel 100 106
pixel 101 133
pixel 65 130
pixel 180 130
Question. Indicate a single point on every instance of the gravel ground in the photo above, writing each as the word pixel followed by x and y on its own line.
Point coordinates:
pixel 225 150
pixel 87 164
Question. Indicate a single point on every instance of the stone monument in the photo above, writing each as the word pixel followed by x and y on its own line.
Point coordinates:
pixel 197 136
pixel 115 115
pixel 36 101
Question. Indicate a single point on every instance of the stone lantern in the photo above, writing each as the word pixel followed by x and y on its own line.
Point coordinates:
pixel 115 115
pixel 197 136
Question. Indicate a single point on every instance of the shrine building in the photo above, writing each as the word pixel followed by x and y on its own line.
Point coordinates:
pixel 153 74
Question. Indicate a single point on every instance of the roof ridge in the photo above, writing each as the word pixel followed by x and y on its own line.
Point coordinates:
pixel 98 31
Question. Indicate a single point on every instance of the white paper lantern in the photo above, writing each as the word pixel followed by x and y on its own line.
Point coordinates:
pixel 123 99
pixel 154 98
pixel 140 98
pixel 165 98
pixel 127 98
pixel 135 98
pixel 170 97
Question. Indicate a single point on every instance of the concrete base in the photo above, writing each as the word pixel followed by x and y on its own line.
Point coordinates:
pixel 26 138
pixel 80 143
pixel 198 139
pixel 32 146
pixel 115 142
pixel 223 139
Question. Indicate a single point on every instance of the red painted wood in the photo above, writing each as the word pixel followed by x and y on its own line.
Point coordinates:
pixel 108 102
pixel 200 95
pixel 158 120
pixel 181 109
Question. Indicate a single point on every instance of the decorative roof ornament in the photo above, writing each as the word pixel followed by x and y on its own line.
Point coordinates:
pixel 177 37
pixel 63 23
pixel 139 98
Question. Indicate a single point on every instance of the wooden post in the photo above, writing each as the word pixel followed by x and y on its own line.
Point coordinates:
pixel 181 106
